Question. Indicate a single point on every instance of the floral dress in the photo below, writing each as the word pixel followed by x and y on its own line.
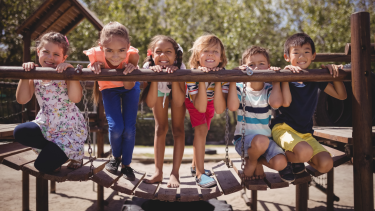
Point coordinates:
pixel 59 118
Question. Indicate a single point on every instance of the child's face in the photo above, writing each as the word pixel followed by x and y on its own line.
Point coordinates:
pixel 300 56
pixel 164 53
pixel 210 57
pixel 50 55
pixel 257 62
pixel 115 50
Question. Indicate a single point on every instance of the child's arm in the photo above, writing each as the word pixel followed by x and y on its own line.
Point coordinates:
pixel 200 99
pixel 178 93
pixel 152 95
pixel 220 103
pixel 337 90
pixel 74 87
pixel 132 65
pixel 232 100
pixel 25 88
pixel 276 97
pixel 287 96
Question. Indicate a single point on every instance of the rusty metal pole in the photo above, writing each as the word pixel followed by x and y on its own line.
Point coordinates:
pixel 361 84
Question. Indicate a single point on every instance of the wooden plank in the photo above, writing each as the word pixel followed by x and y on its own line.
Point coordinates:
pixel 302 178
pixel 126 186
pixel 62 175
pixel 106 178
pixel 212 192
pixel 166 194
pixel 302 191
pixel 273 179
pixel 228 180
pixel 252 184
pixel 188 189
pixel 30 169
pixel 84 173
pixel 11 149
pixel 324 133
pixel 18 160
pixel 146 191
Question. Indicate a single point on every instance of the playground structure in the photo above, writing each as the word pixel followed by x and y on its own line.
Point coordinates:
pixel 360 72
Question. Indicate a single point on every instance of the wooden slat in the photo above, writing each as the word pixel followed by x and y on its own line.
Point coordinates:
pixel 126 186
pixel 11 149
pixel 166 194
pixel 106 178
pixel 188 189
pixel 252 184
pixel 324 133
pixel 228 180
pixel 273 179
pixel 302 178
pixel 30 169
pixel 84 173
pixel 212 192
pixel 18 160
pixel 71 8
pixel 62 175
pixel 146 191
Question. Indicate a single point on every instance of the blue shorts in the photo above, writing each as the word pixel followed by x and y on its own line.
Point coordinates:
pixel 272 150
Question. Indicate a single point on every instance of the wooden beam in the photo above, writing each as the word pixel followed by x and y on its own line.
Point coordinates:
pixel 179 75
pixel 73 24
pixel 41 194
pixel 89 15
pixel 25 191
pixel 335 57
pixel 348 48
pixel 26 46
pixel 362 118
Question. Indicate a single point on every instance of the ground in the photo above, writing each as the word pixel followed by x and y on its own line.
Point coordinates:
pixel 82 195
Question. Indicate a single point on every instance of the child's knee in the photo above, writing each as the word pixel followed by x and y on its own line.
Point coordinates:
pixel 278 162
pixel 178 132
pixel 323 163
pixel 260 142
pixel 161 130
pixel 201 130
pixel 303 151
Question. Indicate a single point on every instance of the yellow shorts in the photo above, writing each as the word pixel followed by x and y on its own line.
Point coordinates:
pixel 286 137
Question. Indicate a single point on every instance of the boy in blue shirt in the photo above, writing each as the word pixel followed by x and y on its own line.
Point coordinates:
pixel 292 129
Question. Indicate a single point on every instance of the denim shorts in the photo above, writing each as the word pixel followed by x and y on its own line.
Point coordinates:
pixel 272 150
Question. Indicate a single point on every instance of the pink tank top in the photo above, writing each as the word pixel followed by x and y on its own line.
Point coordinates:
pixel 97 55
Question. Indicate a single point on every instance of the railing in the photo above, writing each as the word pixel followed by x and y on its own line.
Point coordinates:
pixel 10 110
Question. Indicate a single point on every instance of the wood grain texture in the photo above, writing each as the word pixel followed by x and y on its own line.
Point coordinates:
pixel 84 173
pixel 11 149
pixel 62 175
pixel 166 194
pixel 146 191
pixel 251 184
pixel 106 178
pixel 273 179
pixel 18 160
pixel 125 186
pixel 212 192
pixel 227 178
pixel 188 189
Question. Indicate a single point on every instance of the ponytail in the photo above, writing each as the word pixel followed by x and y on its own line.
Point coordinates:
pixel 95 93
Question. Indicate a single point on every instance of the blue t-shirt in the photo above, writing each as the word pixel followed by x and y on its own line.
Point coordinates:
pixel 301 110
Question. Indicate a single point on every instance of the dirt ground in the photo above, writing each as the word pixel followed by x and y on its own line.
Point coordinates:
pixel 82 195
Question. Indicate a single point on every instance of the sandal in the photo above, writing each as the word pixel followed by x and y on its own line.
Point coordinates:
pixel 75 164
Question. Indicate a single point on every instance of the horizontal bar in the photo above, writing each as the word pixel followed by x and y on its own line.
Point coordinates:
pixel 180 75
pixel 335 57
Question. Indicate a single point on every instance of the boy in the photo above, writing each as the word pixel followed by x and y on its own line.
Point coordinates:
pixel 292 129
pixel 259 148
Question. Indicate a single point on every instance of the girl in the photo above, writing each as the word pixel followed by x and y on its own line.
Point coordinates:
pixel 59 131
pixel 165 53
pixel 208 54
pixel 120 98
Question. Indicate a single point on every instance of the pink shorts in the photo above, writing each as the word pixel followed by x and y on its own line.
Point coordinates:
pixel 197 118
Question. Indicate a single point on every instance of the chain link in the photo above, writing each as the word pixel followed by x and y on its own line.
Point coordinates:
pixel 243 134
pixel 227 137
pixel 86 116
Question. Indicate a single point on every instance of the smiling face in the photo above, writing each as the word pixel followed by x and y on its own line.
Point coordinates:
pixel 257 62
pixel 300 56
pixel 50 55
pixel 115 50
pixel 210 56
pixel 164 54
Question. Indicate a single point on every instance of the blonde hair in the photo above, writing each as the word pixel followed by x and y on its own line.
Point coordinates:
pixel 200 44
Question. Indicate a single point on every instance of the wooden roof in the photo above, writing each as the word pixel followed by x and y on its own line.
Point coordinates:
pixel 58 15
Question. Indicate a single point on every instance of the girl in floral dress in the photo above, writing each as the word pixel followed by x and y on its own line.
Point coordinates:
pixel 58 132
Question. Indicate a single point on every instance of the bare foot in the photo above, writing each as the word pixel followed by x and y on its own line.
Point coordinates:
pixel 249 170
pixel 259 172
pixel 155 178
pixel 174 181
pixel 75 164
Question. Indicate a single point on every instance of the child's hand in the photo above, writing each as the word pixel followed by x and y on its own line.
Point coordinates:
pixel 207 69
pixel 293 69
pixel 333 69
pixel 96 67
pixel 171 68
pixel 276 69
pixel 62 67
pixel 29 66
pixel 129 68
pixel 156 68
pixel 242 67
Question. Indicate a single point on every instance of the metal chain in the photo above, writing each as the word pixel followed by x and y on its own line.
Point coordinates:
pixel 86 115
pixel 243 134
pixel 227 137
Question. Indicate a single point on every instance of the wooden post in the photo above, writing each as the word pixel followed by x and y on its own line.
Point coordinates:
pixel 330 190
pixel 100 144
pixel 254 200
pixel 53 187
pixel 301 196
pixel 41 194
pixel 361 102
pixel 25 191
pixel 100 200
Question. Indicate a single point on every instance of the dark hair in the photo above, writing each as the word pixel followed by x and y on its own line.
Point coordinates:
pixel 151 62
pixel 252 50
pixel 55 37
pixel 298 39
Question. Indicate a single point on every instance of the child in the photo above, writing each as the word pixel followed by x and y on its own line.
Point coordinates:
pixel 120 98
pixel 59 130
pixel 165 53
pixel 292 129
pixel 259 148
pixel 208 54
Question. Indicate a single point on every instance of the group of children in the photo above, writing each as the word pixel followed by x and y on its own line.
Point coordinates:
pixel 59 131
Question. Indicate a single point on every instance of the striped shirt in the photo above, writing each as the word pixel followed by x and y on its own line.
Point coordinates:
pixel 192 89
pixel 257 111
